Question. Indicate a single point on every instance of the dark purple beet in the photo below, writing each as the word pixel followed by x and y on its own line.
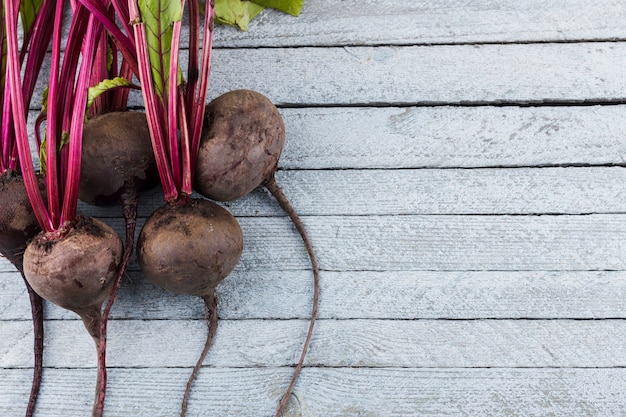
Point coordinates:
pixel 240 145
pixel 117 155
pixel 189 247
pixel 17 226
pixel 117 164
pixel 241 142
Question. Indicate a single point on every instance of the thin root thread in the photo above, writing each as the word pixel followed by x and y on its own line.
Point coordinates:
pixel 285 204
pixel 210 306
pixel 36 305
pixel 129 209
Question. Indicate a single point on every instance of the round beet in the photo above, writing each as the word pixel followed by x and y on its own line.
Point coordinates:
pixel 117 155
pixel 189 248
pixel 76 270
pixel 18 225
pixel 240 145
pixel 117 164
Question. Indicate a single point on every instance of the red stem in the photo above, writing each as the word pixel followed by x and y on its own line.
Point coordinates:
pixel 187 181
pixel 52 176
pixel 197 112
pixel 172 106
pixel 125 43
pixel 194 52
pixel 6 131
pixel 120 96
pixel 151 104
pixel 72 180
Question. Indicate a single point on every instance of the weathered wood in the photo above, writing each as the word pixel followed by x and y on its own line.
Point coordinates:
pixel 451 137
pixel 439 242
pixel 337 343
pixel 425 75
pixel 322 392
pixel 445 137
pixel 401 295
pixel 428 191
pixel 528 73
pixel 408 22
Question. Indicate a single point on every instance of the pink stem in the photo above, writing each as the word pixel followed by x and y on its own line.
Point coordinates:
pixel 187 184
pixel 151 104
pixel 194 52
pixel 72 180
pixel 52 175
pixel 124 42
pixel 172 99
pixel 197 113
pixel 120 99
pixel 6 132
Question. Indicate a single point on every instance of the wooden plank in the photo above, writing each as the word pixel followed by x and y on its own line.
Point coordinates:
pixel 336 343
pixel 428 191
pixel 408 21
pixel 388 75
pixel 433 243
pixel 445 137
pixel 340 392
pixel 401 295
pixel 451 137
pixel 425 75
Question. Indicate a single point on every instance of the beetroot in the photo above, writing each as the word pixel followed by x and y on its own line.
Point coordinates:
pixel 190 248
pixel 67 267
pixel 240 145
pixel 117 158
pixel 117 163
pixel 18 225
pixel 239 150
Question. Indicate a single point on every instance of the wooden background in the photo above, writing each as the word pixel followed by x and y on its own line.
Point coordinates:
pixel 460 168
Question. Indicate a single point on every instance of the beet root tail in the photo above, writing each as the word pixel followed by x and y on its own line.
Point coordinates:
pixel 36 307
pixel 285 204
pixel 210 304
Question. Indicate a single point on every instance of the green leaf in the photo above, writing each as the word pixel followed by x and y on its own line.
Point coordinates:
pixel 293 7
pixel 159 16
pixel 43 160
pixel 103 86
pixel 44 101
pixel 236 12
pixel 28 12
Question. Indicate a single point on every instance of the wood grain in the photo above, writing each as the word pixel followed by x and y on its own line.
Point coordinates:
pixel 337 343
pixel 402 22
pixel 401 295
pixel 341 392
pixel 460 168
pixel 439 242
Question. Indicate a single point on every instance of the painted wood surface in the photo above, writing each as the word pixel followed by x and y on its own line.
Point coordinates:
pixel 461 169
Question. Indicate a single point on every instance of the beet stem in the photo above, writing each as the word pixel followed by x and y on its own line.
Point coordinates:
pixel 210 305
pixel 36 307
pixel 129 209
pixel 284 202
